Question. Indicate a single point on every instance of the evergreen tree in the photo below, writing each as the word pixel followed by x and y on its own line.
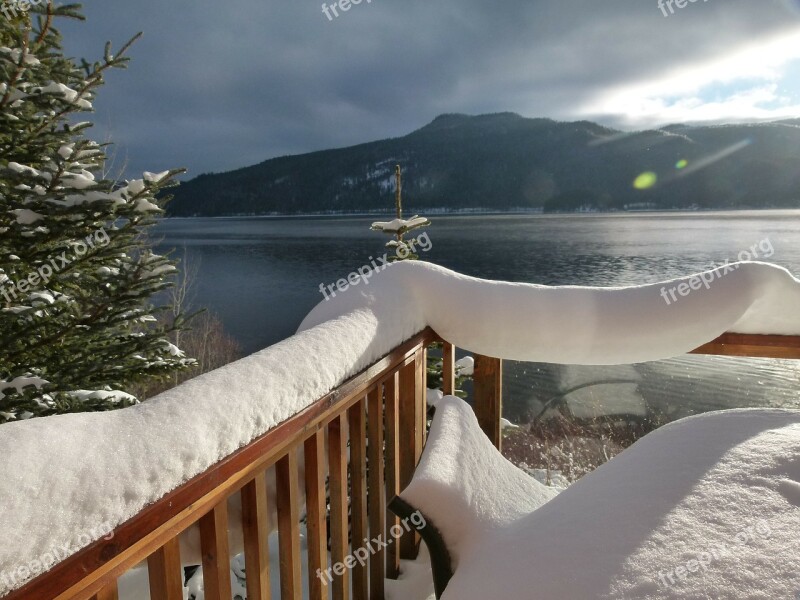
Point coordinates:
pixel 77 278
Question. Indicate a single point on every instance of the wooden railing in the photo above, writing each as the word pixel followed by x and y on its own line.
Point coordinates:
pixel 380 416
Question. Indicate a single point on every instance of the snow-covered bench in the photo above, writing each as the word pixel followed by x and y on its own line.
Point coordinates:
pixel 707 507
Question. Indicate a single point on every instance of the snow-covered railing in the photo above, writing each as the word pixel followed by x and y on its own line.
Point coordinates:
pixel 382 407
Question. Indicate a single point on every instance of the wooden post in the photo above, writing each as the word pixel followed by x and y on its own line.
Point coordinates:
pixel 391 393
pixel 412 431
pixel 337 459
pixel 256 532
pixel 165 572
pixel 316 508
pixel 107 593
pixel 358 495
pixel 288 493
pixel 216 557
pixel 376 496
pixel 488 401
pixel 448 369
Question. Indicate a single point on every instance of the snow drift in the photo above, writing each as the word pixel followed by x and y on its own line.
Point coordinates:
pixel 706 507
pixel 63 477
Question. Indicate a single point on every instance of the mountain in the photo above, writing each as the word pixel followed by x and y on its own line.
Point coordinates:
pixel 505 161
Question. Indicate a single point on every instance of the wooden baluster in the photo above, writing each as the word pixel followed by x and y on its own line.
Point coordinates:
pixel 288 496
pixel 488 402
pixel 109 592
pixel 216 557
pixel 165 572
pixel 392 424
pixel 412 415
pixel 358 502
pixel 337 483
pixel 448 369
pixel 316 510
pixel 256 533
pixel 376 496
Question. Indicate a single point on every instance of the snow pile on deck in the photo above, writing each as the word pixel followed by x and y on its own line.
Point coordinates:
pixel 706 507
pixel 464 486
pixel 64 480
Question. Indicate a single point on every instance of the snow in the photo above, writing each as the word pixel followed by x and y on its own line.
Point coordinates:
pixel 464 486
pixel 54 493
pixel 396 225
pixel 706 507
pixel 116 395
pixel 570 324
pixel 154 177
pixel 25 216
pixel 465 366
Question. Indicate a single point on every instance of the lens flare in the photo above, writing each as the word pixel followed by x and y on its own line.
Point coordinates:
pixel 682 164
pixel 645 181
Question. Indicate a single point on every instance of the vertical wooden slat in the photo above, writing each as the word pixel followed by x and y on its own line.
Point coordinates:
pixel 165 572
pixel 421 398
pixel 376 497
pixel 316 512
pixel 392 424
pixel 411 437
pixel 288 496
pixel 448 369
pixel 256 533
pixel 216 557
pixel 488 402
pixel 109 592
pixel 337 483
pixel 358 497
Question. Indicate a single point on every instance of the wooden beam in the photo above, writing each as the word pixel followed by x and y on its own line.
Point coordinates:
pixel 755 346
pixel 488 392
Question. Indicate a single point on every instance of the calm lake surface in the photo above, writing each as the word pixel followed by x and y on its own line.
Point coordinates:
pixel 262 276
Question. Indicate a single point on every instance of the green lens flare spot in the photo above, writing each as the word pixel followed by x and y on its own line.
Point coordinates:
pixel 645 180
pixel 682 164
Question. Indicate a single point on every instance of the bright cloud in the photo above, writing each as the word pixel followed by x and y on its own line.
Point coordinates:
pixel 747 84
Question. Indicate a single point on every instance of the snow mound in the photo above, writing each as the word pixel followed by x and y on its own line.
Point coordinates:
pixel 66 480
pixel 464 486
pixel 573 325
pixel 706 507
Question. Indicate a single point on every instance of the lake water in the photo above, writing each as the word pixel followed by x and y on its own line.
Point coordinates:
pixel 262 276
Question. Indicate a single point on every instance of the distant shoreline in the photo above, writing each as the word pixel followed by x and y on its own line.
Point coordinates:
pixel 493 212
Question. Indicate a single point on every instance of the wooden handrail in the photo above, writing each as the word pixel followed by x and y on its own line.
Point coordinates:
pixel 754 346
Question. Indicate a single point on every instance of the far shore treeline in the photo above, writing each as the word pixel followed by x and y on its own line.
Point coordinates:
pixel 504 161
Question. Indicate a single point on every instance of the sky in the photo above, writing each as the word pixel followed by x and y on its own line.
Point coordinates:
pixel 214 86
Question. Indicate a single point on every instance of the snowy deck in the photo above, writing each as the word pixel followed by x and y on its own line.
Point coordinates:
pixel 275 424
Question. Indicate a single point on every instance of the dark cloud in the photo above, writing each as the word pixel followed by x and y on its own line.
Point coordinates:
pixel 215 86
